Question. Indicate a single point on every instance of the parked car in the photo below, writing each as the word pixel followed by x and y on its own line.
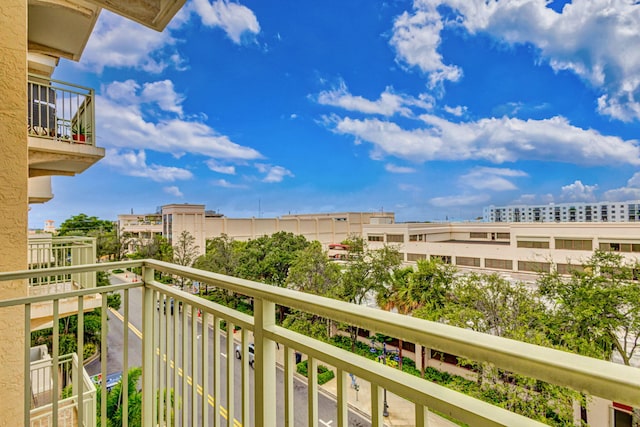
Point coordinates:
pixel 112 379
pixel 171 303
pixel 251 354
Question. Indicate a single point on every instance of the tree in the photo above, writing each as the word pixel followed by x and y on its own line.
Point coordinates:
pixel 221 256
pixel 84 225
pixel 185 252
pixel 365 273
pixel 596 311
pixel 311 271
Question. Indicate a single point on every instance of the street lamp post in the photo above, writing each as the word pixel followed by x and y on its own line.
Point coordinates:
pixel 385 407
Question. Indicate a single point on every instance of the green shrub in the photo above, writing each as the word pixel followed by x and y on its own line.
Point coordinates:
pixel 324 374
pixel 117 271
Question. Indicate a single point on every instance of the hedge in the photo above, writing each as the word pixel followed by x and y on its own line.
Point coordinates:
pixel 324 374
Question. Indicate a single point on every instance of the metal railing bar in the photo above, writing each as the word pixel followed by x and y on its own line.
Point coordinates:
pixel 289 369
pixel 163 361
pixel 104 333
pixel 217 393
pixel 377 420
pixel 204 377
pixel 71 294
pixel 422 416
pixel 312 391
pixel 80 383
pixel 342 403
pixel 148 349
pixel 246 404
pixel 176 329
pixel 60 82
pixel 194 363
pixel 55 346
pixel 184 366
pixel 125 359
pixel 157 361
pixel 230 374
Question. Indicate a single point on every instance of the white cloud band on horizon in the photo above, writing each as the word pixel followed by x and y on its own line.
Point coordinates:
pixel 132 163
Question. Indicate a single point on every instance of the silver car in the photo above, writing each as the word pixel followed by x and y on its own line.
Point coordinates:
pixel 251 354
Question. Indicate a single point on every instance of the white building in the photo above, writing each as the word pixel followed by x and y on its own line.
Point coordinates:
pixel 565 212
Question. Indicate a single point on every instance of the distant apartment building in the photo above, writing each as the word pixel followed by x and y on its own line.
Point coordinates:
pixel 520 249
pixel 203 224
pixel 565 212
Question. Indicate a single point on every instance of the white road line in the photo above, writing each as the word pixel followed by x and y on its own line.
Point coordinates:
pixel 325 423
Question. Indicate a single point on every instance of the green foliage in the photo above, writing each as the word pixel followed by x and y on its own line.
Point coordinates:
pixel 307 324
pixel 114 402
pixel 221 256
pixel 311 271
pixel 84 225
pixel 324 374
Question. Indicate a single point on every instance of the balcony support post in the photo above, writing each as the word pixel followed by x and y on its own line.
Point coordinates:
pixel 147 348
pixel 265 364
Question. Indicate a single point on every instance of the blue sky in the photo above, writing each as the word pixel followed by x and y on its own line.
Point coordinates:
pixel 431 109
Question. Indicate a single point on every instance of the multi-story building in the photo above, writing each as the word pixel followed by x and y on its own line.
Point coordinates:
pixel 565 212
pixel 202 224
pixel 520 249
pixel 48 128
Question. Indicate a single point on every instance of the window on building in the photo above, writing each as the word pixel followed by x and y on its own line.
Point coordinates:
pixel 620 247
pixel 533 244
pixel 468 261
pixel 395 238
pixel 415 257
pixel 569 268
pixel 504 236
pixel 476 235
pixel 575 244
pixel 501 264
pixel 537 267
pixel 375 238
pixel 416 237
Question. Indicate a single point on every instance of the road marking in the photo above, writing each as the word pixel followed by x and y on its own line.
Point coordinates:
pixel 325 423
pixel 133 328
pixel 223 355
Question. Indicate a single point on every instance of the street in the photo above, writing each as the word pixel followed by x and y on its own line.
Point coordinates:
pixel 115 339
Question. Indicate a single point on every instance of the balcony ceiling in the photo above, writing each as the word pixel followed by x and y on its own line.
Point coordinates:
pixel 60 158
pixel 154 14
pixel 61 28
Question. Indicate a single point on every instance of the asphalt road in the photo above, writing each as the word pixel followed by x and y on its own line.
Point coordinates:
pixel 115 339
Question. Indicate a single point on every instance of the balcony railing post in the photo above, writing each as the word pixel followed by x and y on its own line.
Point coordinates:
pixel 147 348
pixel 265 364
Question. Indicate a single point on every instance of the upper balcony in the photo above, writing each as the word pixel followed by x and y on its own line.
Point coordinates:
pixel 61 128
pixel 187 354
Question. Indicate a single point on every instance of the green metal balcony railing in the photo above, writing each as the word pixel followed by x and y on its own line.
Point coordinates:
pixel 60 111
pixel 177 355
pixel 45 251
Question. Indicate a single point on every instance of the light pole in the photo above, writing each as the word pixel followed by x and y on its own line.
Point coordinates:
pixel 385 407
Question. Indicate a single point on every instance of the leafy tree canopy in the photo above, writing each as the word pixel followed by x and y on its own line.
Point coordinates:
pixel 84 225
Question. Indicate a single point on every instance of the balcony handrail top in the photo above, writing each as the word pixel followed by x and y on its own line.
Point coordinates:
pixel 598 377
pixel 59 82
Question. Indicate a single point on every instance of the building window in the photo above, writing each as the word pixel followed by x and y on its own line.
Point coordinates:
pixel 503 236
pixel 620 247
pixel 575 244
pixel 446 259
pixel 395 238
pixel 501 264
pixel 416 237
pixel 538 267
pixel 476 235
pixel 569 268
pixel 415 257
pixel 375 238
pixel 468 261
pixel 533 244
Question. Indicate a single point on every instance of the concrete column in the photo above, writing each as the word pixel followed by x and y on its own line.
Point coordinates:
pixel 14 174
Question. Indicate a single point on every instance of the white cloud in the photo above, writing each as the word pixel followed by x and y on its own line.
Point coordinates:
pixel 533 199
pixel 416 38
pixel 630 192
pixel 273 173
pixel 134 163
pixel 496 140
pixel 389 167
pixel 455 111
pixel 578 192
pixel 461 200
pixel 217 167
pixel 483 178
pixel 173 190
pixel 226 184
pixel 234 18
pixel 388 104
pixel 595 39
pixel 121 43
pixel 124 123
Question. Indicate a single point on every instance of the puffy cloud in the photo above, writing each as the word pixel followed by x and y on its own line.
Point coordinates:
pixel 273 173
pixel 398 169
pixel 608 61
pixel 173 190
pixel 460 200
pixel 234 18
pixel 578 192
pixel 496 140
pixel 483 178
pixel 388 104
pixel 134 163
pixel 416 38
pixel 124 124
pixel 226 184
pixel 455 111
pixel 121 43
pixel 630 192
pixel 217 167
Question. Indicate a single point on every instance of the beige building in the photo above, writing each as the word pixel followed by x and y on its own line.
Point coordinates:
pixel 202 224
pixel 520 249
pixel 47 128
